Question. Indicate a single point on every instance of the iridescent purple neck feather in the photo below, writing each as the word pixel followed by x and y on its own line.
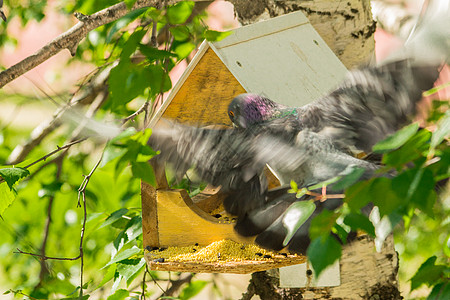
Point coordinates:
pixel 249 109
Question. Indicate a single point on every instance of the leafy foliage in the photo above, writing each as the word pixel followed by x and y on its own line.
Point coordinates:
pixel 12 175
pixel 139 50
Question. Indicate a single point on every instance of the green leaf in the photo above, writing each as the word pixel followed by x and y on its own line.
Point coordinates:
pixel 411 150
pixel 124 21
pixel 428 273
pixel 438 110
pixel 192 289
pixel 350 176
pixel 384 196
pixel 12 175
pixel 397 139
pixel 421 190
pixel 440 291
pixel 215 36
pixel 129 267
pixel 358 221
pixel 358 195
pixel 110 274
pixel 446 246
pixel 180 12
pixel 130 3
pixel 442 130
pixel 130 131
pixel 324 183
pixel 322 224
pixel 159 79
pixel 340 232
pixel 153 54
pixel 294 186
pixel 144 171
pixel 132 43
pixel 184 49
pixel 295 216
pixel 123 255
pixel 120 294
pixel 126 82
pixel 180 33
pixel 7 197
pixel 323 252
pixel 111 152
pixel 134 228
pixel 117 215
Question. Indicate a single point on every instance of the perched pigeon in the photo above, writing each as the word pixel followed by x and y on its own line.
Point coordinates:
pixel 308 144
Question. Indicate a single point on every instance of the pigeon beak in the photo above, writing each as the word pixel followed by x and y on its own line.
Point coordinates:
pixel 241 122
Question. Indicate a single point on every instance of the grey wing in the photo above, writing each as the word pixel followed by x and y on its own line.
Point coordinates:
pixel 231 158
pixel 370 104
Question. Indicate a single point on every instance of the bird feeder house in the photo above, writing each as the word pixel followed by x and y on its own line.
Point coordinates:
pixel 284 59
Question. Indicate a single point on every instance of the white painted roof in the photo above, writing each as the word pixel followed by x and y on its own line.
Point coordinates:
pixel 283 58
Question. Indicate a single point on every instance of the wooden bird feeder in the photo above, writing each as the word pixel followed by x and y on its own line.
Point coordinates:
pixel 284 59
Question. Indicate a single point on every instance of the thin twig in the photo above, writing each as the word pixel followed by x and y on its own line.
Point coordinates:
pixel 176 284
pixel 141 109
pixel 323 197
pixel 82 191
pixel 55 151
pixel 157 284
pixel 40 256
pixel 143 282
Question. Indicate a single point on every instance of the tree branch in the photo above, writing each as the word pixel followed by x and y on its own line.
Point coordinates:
pixel 70 39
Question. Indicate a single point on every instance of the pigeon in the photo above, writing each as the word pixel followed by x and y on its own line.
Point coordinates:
pixel 370 104
pixel 308 144
pixel 235 159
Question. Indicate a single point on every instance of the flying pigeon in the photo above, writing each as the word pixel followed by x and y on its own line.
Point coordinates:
pixel 308 144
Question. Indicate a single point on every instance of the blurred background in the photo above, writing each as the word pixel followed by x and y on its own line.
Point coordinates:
pixel 29 100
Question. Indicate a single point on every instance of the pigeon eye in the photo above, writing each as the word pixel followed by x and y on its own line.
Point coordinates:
pixel 231 113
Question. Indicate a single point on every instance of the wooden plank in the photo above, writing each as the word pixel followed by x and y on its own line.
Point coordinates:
pixel 206 93
pixel 182 223
pixel 149 215
pixel 241 267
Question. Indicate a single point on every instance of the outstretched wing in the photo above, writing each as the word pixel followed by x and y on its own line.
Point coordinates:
pixel 231 158
pixel 235 159
pixel 370 104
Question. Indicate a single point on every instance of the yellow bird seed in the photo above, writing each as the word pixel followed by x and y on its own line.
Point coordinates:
pixel 220 251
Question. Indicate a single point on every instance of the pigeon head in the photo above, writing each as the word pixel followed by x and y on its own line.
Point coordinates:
pixel 249 109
